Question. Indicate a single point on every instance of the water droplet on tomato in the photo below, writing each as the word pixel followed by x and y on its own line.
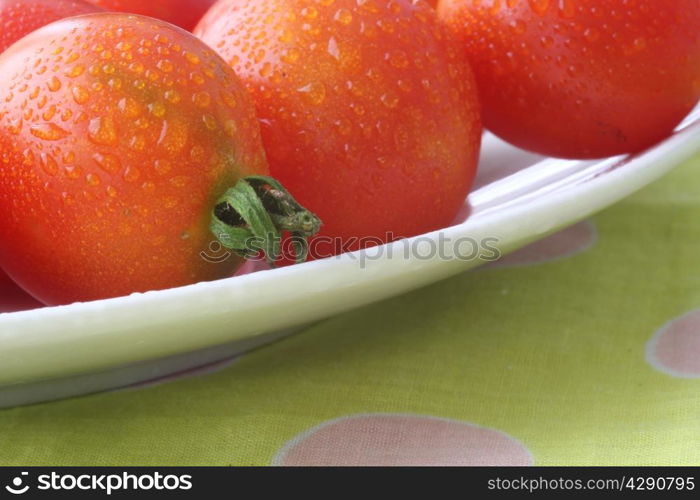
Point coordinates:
pixel 201 99
pixel 48 164
pixel 137 142
pixel 92 179
pixel 398 59
pixel 157 109
pixel 129 107
pixel 229 99
pixel 343 16
pixel 28 155
pixel 173 136
pixel 80 95
pixel 209 121
pixel 75 71
pixel 136 67
pixel 309 12
pixel 315 92
pixel 192 58
pixel 53 84
pixel 15 126
pixel 266 70
pixel 344 126
pixel 640 43
pixel 67 199
pixel 390 100
pixel 49 113
pixel 547 42
pixel 197 154
pixel 68 158
pixel 48 131
pixel 567 8
pixel 73 171
pixel 162 166
pixel 591 34
pixel 165 65
pixel 405 85
pixel 101 130
pixel 171 202
pixel 180 181
pixel 131 174
pixel 107 162
pixel 291 56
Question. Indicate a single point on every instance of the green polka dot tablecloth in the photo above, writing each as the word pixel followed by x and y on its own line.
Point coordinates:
pixel 583 349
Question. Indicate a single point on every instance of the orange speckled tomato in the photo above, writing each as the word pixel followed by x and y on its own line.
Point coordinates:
pixel 581 79
pixel 117 135
pixel 19 17
pixel 368 111
pixel 183 13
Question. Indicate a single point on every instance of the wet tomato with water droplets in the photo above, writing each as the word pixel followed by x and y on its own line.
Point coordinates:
pixel 581 79
pixel 183 13
pixel 19 17
pixel 117 135
pixel 368 111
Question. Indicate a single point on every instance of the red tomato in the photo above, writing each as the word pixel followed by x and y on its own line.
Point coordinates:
pixel 581 79
pixel 118 134
pixel 183 13
pixel 19 17
pixel 369 115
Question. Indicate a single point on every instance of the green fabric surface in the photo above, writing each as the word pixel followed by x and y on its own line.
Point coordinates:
pixel 551 356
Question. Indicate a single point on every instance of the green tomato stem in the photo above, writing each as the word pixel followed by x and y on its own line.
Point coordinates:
pixel 251 217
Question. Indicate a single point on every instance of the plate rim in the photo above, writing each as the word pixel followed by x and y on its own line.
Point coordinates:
pixel 131 341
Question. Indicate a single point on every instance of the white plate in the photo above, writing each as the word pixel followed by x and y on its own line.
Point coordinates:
pixel 56 352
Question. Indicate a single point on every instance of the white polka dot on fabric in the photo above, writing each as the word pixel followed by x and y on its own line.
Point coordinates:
pixel 401 440
pixel 675 348
pixel 566 243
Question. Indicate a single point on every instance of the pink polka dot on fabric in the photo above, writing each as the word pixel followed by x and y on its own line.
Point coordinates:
pixel 401 440
pixel 675 348
pixel 566 243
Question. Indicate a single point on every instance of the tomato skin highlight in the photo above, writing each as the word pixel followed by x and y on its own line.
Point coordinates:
pixel 117 135
pixel 581 79
pixel 182 13
pixel 20 17
pixel 369 114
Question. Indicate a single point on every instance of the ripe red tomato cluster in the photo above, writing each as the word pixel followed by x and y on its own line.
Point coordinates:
pixel 130 148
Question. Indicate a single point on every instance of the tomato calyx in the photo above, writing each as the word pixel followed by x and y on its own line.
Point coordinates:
pixel 251 217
